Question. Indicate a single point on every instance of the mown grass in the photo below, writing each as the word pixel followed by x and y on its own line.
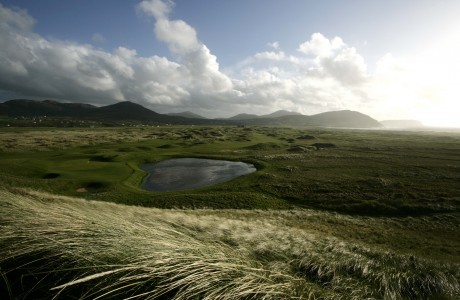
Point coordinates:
pixel 68 248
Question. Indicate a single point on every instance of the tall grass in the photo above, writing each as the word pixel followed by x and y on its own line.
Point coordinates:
pixel 66 248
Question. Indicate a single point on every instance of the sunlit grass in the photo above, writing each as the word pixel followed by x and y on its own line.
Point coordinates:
pixel 366 173
pixel 73 248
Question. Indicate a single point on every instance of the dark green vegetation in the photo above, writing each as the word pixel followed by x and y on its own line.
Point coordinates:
pixel 361 172
pixel 349 214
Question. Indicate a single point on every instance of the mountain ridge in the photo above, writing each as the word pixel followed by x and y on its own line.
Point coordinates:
pixel 276 114
pixel 280 113
pixel 186 114
pixel 130 111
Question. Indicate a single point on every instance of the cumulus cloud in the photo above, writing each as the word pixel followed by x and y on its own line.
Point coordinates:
pixel 159 9
pixel 275 56
pixel 179 36
pixel 31 65
pixel 324 74
pixel 16 18
pixel 182 40
pixel 347 66
pixel 320 46
pixel 328 75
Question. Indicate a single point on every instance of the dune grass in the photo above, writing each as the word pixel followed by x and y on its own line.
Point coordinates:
pixel 67 248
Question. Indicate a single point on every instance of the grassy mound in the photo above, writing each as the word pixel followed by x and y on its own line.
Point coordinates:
pixel 264 146
pixel 69 248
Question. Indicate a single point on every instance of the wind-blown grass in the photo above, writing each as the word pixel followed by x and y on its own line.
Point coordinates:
pixel 70 248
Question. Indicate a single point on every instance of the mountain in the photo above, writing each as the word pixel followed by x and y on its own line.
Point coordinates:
pixel 31 108
pixel 129 111
pixel 186 114
pixel 126 110
pixel 339 119
pixel 243 117
pixel 344 118
pixel 280 113
pixel 276 114
pixel 120 111
pixel 114 113
pixel 401 124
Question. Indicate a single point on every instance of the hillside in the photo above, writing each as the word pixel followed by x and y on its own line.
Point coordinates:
pixel 339 119
pixel 186 114
pixel 281 113
pixel 125 111
pixel 276 114
pixel 32 108
pixel 344 118
pixel 132 112
pixel 243 117
pixel 114 113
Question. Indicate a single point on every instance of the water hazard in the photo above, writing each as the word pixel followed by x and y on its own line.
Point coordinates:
pixel 191 173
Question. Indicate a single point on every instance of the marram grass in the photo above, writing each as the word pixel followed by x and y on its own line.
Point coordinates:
pixel 64 248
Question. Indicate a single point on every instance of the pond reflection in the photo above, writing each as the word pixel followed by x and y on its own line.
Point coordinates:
pixel 191 173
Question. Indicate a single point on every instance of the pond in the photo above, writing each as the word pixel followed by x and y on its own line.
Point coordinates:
pixel 191 173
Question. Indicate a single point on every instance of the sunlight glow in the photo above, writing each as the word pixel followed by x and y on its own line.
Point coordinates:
pixel 426 86
pixel 439 75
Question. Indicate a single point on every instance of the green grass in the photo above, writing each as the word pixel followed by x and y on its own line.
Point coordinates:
pixel 67 248
pixel 376 216
pixel 367 173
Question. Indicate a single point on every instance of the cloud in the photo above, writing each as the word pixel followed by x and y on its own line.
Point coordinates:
pixel 275 56
pixel 179 36
pixel 31 65
pixel 347 66
pixel 182 40
pixel 319 45
pixel 98 38
pixel 324 74
pixel 328 76
pixel 16 18
pixel 274 45
pixel 159 9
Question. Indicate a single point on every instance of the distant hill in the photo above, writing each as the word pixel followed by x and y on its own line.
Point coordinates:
pixel 344 118
pixel 339 119
pixel 280 113
pixel 129 111
pixel 186 114
pixel 114 113
pixel 243 117
pixel 31 108
pixel 401 124
pixel 276 114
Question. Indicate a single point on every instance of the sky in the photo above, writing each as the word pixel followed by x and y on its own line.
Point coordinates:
pixel 388 59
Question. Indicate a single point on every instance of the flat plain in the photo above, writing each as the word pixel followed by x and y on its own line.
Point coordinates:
pixel 330 214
